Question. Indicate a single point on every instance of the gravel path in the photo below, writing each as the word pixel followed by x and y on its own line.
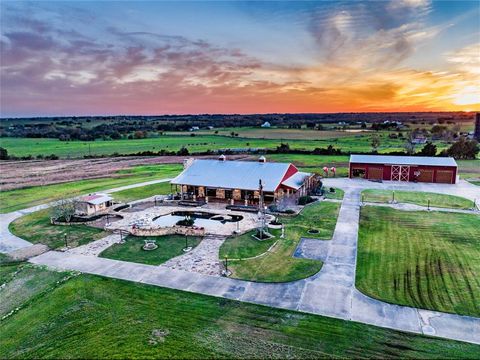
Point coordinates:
pixel 203 259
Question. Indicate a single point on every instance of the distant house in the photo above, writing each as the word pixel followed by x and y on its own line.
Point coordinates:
pixel 92 204
pixel 266 124
pixel 419 139
pixel 194 128
pixel 238 181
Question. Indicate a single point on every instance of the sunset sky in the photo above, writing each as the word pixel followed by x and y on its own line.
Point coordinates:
pixel 88 58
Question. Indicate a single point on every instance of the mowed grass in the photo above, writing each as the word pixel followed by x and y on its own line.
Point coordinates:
pixel 418 198
pixel 13 200
pixel 279 265
pixel 169 246
pixel 142 192
pixel 93 317
pixel 36 228
pixel 426 260
pixel 245 246
pixel 336 195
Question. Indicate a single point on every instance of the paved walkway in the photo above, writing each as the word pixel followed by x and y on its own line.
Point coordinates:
pixel 330 292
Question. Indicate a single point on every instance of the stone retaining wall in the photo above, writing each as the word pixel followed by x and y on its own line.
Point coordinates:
pixel 171 230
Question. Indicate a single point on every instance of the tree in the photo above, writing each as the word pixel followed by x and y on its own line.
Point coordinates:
pixel 464 149
pixel 183 152
pixel 375 143
pixel 3 154
pixel 64 210
pixel 428 150
pixel 139 134
pixel 283 148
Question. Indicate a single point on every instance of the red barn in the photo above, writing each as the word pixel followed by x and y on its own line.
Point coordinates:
pixel 404 168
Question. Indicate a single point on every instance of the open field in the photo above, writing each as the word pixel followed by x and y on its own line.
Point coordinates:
pixel 23 198
pixel 36 228
pixel 78 149
pixel 142 192
pixel 279 265
pixel 168 247
pixel 27 173
pixel 418 198
pixel 115 319
pixel 275 133
pixel 420 259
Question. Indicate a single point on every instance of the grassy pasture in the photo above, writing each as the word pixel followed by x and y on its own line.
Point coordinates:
pixel 275 133
pixel 93 317
pixel 23 198
pixel 142 192
pixel 76 149
pixel 420 259
pixel 279 265
pixel 418 198
pixel 168 247
pixel 36 228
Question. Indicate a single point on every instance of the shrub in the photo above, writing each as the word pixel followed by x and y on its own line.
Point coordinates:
pixel 304 200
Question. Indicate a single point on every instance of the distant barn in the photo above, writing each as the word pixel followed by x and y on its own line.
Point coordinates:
pixel 404 168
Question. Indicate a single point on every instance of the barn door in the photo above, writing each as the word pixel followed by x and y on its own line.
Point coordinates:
pixel 400 173
pixel 396 169
pixel 405 173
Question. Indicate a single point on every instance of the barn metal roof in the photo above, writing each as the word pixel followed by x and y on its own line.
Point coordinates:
pixel 403 160
pixel 96 199
pixel 296 180
pixel 242 175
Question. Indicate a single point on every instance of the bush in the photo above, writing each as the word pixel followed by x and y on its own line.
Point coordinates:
pixel 304 200
pixel 3 154
pixel 185 222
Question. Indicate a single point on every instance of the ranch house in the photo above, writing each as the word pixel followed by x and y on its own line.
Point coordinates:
pixel 404 168
pixel 238 182
pixel 92 204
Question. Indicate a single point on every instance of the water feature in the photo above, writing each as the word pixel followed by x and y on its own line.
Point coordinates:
pixel 200 218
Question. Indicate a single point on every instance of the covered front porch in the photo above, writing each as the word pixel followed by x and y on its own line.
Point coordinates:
pixel 233 196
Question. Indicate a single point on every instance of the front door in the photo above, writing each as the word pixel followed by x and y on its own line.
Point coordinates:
pixel 400 173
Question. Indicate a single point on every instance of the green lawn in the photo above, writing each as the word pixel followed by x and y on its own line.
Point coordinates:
pixel 337 195
pixel 169 246
pixel 245 246
pixel 469 168
pixel 93 317
pixel 419 198
pixel 426 260
pixel 279 265
pixel 142 192
pixel 13 200
pixel 36 228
